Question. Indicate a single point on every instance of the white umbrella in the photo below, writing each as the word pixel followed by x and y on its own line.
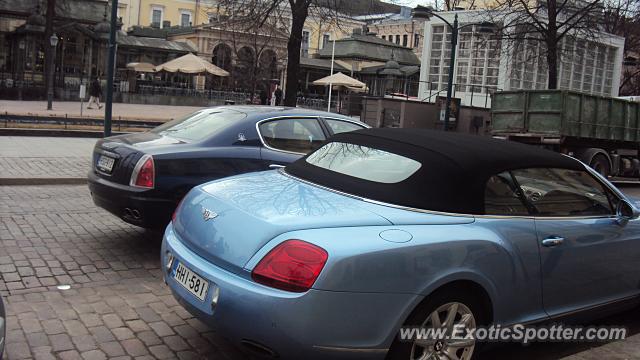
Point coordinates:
pixel 340 79
pixel 191 64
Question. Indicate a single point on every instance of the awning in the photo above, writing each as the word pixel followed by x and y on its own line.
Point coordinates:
pixel 141 67
pixel 342 80
pixel 191 64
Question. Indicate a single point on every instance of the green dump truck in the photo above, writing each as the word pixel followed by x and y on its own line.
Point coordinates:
pixel 601 131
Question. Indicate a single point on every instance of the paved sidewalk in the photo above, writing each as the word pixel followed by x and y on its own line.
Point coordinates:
pixel 37 160
pixel 72 109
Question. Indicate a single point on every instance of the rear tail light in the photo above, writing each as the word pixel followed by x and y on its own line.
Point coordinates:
pixel 144 173
pixel 294 265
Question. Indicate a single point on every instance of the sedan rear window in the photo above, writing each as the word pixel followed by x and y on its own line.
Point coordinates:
pixel 364 162
pixel 200 125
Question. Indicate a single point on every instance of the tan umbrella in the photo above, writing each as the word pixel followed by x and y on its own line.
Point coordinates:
pixel 340 79
pixel 191 64
pixel 141 67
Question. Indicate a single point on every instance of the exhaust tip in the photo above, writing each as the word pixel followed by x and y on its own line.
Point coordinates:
pixel 127 212
pixel 258 349
pixel 135 213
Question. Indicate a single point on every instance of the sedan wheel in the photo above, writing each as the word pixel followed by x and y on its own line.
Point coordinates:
pixel 439 326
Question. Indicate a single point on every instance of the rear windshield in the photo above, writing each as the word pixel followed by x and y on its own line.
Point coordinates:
pixel 200 125
pixel 364 162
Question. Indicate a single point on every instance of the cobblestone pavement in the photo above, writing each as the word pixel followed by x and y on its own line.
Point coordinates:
pixel 23 157
pixel 72 109
pixel 117 305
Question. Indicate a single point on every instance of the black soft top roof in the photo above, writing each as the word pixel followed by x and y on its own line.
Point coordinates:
pixel 454 172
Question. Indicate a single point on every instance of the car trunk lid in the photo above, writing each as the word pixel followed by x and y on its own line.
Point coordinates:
pixel 115 157
pixel 229 220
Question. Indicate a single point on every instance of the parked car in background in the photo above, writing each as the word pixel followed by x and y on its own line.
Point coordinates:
pixel 384 228
pixel 141 177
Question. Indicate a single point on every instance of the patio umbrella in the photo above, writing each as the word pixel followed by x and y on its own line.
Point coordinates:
pixel 141 67
pixel 191 64
pixel 340 79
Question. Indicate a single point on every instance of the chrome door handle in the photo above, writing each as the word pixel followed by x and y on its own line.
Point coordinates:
pixel 276 166
pixel 552 241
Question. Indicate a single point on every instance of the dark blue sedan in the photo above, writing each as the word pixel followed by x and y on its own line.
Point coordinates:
pixel 141 177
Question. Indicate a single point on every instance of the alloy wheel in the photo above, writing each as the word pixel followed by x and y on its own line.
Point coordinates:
pixel 442 321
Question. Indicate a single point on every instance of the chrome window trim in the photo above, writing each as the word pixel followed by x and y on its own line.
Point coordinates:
pixel 264 143
pixel 356 122
pixel 317 117
pixel 434 212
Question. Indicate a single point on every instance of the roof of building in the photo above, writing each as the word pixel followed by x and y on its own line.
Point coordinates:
pixel 322 64
pixel 453 173
pixel 370 47
pixel 155 43
pixel 406 70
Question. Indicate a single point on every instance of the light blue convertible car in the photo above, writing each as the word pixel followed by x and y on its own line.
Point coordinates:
pixel 384 228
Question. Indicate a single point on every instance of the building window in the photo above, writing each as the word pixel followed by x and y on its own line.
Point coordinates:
pixel 304 48
pixel 185 18
pixel 325 40
pixel 157 16
pixel 398 39
pixel 384 37
pixel 416 40
pixel 405 40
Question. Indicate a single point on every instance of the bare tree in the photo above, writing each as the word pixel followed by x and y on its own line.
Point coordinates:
pixel 251 44
pixel 546 22
pixel 292 14
pixel 448 5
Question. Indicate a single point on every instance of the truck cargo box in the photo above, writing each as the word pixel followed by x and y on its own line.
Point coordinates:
pixel 561 114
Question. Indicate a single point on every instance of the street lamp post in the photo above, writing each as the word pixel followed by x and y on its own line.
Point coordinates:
pixel 485 27
pixel 452 63
pixel 53 40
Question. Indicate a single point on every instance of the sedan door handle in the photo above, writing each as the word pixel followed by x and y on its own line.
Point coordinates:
pixel 276 166
pixel 552 241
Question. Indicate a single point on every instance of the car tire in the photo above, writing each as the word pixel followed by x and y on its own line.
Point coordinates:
pixel 437 302
pixel 600 163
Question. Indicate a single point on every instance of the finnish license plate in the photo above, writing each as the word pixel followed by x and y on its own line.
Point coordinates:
pixel 105 163
pixel 191 281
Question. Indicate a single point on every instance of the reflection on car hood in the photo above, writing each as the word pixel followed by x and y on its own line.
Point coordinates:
pixel 246 211
pixel 143 141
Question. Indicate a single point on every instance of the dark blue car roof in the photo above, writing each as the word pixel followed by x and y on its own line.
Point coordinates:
pixel 258 112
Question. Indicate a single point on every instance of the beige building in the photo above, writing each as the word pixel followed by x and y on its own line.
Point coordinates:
pixel 166 13
pixel 318 33
pixel 404 32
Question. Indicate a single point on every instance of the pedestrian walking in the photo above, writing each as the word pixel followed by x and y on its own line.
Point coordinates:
pixel 263 96
pixel 95 91
pixel 278 95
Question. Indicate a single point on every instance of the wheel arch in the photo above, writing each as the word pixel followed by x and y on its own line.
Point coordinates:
pixel 586 155
pixel 473 284
pixel 450 285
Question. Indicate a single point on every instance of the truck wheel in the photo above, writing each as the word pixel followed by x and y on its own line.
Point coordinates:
pixel 600 164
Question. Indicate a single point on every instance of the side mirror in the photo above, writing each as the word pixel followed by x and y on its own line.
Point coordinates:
pixel 626 211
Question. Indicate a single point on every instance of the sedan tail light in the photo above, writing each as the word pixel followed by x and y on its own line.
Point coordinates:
pixel 293 265
pixel 144 173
